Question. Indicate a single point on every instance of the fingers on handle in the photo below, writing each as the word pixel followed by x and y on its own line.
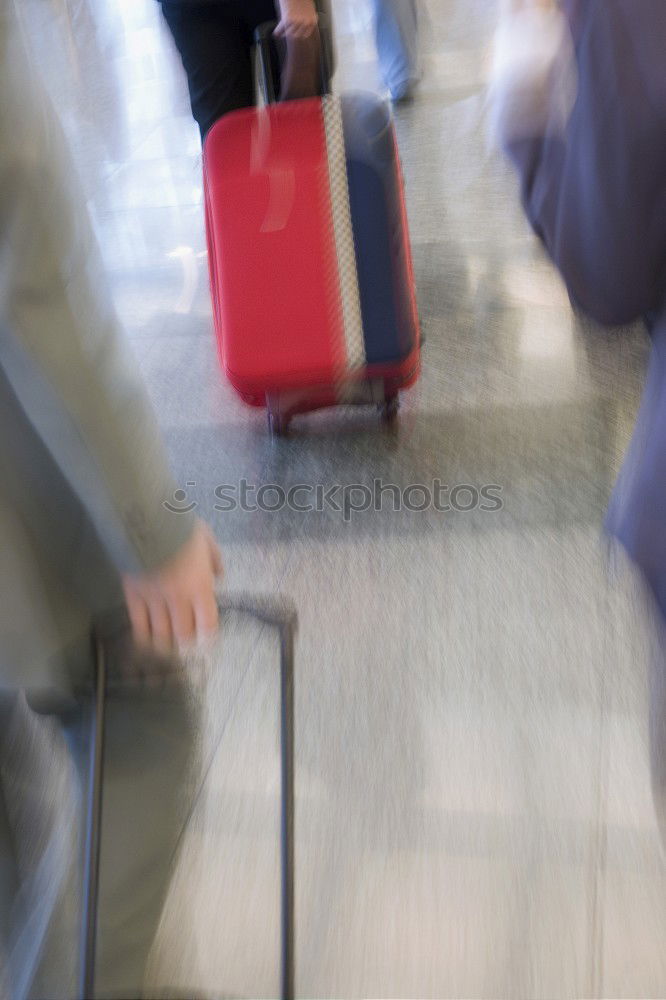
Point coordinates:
pixel 139 616
pixel 183 620
pixel 206 614
pixel 160 624
pixel 217 566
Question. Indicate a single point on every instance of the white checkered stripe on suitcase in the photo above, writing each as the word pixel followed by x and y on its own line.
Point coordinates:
pixel 354 341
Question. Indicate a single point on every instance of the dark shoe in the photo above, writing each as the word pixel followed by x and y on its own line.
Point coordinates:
pixel 404 93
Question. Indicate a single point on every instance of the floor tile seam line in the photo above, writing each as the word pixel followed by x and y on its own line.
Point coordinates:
pixel 135 147
pixel 138 144
pixel 119 166
pixel 599 866
pixel 154 340
pixel 598 878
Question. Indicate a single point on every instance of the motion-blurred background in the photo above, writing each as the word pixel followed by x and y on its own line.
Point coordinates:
pixel 474 816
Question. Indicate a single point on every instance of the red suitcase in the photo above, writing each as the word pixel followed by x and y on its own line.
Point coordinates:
pixel 310 263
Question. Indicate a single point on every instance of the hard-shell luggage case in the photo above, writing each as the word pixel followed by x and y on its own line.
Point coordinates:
pixel 279 614
pixel 310 262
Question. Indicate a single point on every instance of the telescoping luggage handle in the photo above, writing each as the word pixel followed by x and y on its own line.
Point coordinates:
pixel 266 49
pixel 277 613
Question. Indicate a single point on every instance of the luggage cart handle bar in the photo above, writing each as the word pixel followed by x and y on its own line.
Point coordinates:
pixel 264 41
pixel 280 613
pixel 268 608
pixel 271 609
pixel 276 612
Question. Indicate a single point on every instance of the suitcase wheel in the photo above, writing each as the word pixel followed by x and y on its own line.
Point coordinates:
pixel 389 408
pixel 278 425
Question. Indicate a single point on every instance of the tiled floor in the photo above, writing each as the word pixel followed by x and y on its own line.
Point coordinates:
pixel 474 809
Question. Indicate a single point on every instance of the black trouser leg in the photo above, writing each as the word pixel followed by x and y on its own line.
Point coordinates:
pixel 215 42
pixel 216 51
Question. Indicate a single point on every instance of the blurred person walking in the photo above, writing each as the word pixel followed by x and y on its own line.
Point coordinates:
pixel 215 39
pixel 396 25
pixel 578 101
pixel 84 534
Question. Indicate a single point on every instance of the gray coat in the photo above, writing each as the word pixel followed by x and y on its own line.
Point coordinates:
pixel 83 474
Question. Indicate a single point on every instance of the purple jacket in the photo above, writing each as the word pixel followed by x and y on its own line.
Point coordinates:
pixel 594 187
